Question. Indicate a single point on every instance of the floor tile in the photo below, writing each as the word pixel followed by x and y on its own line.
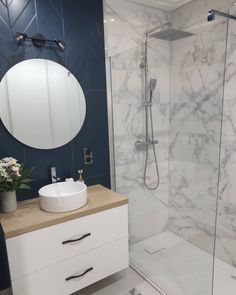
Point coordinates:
pixel 120 284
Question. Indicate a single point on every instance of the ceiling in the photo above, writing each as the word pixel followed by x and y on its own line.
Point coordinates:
pixel 168 5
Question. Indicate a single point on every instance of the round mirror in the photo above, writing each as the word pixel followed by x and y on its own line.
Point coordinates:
pixel 41 103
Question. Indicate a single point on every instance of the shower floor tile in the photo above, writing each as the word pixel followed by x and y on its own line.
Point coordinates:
pixel 127 282
pixel 180 268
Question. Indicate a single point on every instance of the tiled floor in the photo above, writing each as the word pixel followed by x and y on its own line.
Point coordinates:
pixel 120 284
pixel 180 268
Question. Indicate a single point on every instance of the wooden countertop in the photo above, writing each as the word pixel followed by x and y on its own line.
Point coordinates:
pixel 29 217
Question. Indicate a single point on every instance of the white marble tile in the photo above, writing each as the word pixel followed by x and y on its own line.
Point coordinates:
pixel 159 56
pixel 148 210
pixel 129 119
pixel 181 268
pixel 205 49
pixel 126 77
pixel 196 11
pixel 228 170
pixel 197 84
pixel 224 278
pixel 120 35
pixel 187 121
pixel 196 117
pixel 226 240
pixel 195 147
pixel 197 76
pixel 129 179
pixel 131 23
pixel 230 87
pixel 192 202
pixel 226 219
pixel 147 225
pixel 129 126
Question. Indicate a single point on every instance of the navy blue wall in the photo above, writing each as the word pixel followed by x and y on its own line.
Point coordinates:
pixel 80 24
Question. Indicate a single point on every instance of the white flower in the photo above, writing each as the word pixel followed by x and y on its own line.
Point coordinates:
pixel 9 169
pixel 4 175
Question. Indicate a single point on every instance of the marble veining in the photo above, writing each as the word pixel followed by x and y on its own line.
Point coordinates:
pixel 197 80
pixel 130 22
pixel 129 126
pixel 226 219
pixel 188 104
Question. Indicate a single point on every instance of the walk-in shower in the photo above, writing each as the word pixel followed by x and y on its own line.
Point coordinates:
pixel 173 97
pixel 150 140
pixel 167 34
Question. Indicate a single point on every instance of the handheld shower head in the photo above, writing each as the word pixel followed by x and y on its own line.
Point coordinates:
pixel 152 84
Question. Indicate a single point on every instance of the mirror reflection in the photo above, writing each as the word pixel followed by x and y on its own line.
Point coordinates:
pixel 41 103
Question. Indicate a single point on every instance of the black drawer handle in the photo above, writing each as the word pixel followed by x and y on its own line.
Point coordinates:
pixel 76 240
pixel 79 276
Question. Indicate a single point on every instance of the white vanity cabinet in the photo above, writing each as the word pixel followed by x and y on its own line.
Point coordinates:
pixel 63 258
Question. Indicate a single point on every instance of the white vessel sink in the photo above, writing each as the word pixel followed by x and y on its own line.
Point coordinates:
pixel 63 196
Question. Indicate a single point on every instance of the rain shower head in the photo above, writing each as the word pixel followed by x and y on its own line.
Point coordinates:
pixel 152 84
pixel 171 34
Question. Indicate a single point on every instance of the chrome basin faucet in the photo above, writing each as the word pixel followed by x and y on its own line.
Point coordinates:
pixel 54 177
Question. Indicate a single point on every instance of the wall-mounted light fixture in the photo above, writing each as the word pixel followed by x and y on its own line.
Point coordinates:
pixel 38 40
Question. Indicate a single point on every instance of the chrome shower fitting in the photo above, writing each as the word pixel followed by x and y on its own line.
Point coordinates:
pixel 152 84
pixel 143 144
pixel 212 15
pixel 54 177
pixel 167 33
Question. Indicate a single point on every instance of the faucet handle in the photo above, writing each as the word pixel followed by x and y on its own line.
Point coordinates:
pixel 54 177
pixel 80 172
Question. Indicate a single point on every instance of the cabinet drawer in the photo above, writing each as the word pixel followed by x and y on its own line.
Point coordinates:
pixel 99 263
pixel 39 249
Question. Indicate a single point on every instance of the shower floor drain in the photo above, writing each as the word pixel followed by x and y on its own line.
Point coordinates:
pixel 152 251
pixel 134 292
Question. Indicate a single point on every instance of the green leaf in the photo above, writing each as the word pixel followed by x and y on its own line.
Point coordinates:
pixel 27 180
pixel 21 182
pixel 24 186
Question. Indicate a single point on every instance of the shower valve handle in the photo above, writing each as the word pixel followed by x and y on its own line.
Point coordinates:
pixel 142 144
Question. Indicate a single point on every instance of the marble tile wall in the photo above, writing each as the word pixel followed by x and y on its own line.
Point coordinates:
pixel 187 114
pixel 226 220
pixel 127 22
pixel 197 92
pixel 148 209
pixel 125 35
pixel 197 75
pixel 195 12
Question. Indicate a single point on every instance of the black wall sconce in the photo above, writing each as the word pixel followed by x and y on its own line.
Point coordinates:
pixel 39 41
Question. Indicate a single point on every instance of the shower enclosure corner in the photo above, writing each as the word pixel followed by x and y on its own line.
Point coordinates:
pixel 168 98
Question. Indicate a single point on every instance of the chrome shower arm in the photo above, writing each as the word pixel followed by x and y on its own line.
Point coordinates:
pixel 213 12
